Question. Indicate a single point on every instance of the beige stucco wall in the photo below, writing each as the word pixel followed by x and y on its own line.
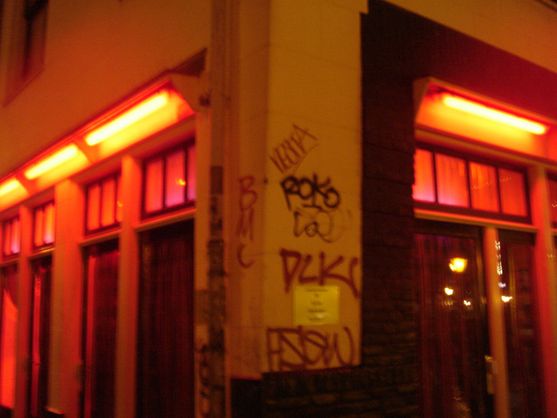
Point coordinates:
pixel 299 103
pixel 97 52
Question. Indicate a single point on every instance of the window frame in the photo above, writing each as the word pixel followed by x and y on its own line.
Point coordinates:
pixel 469 210
pixel 186 147
pixel 25 58
pixel 551 176
pixel 117 177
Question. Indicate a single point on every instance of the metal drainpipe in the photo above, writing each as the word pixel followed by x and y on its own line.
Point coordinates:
pixel 221 30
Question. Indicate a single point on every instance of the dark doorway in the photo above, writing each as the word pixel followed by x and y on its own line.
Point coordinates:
pixel 99 329
pixel 8 336
pixel 453 322
pixel 40 335
pixel 517 286
pixel 165 334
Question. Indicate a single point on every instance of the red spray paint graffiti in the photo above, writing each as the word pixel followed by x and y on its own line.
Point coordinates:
pixel 292 150
pixel 300 348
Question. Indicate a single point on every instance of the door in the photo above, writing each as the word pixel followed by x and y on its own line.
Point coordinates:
pixel 453 332
pixel 165 331
pixel 8 335
pixel 517 285
pixel 99 329
pixel 39 339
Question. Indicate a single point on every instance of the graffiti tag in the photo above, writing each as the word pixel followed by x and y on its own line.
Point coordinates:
pixel 305 268
pixel 291 151
pixel 244 228
pixel 301 348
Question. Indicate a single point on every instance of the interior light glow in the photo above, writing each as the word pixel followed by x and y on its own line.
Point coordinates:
pixel 458 264
pixel 129 118
pixel 448 291
pixel 495 115
pixel 52 161
pixel 506 299
pixel 9 186
pixel 467 302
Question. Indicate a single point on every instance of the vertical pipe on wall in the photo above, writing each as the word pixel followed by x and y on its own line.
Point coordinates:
pixel 219 79
pixel 546 284
pixel 496 325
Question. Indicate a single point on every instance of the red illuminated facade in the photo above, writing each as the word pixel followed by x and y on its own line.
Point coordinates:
pixel 244 222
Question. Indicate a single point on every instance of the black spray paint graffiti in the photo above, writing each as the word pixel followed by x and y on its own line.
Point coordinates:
pixel 293 149
pixel 314 204
pixel 300 348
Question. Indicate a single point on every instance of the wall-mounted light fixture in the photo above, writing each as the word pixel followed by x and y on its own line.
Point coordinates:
pixel 495 115
pixel 52 161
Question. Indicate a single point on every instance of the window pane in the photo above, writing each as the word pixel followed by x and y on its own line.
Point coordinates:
pixel 423 172
pixel 513 196
pixel 553 199
pixel 7 237
pixel 452 187
pixel 483 185
pixel 49 224
pixel 119 203
pixel 39 227
pixel 192 181
pixel 16 236
pixel 8 333
pixel 108 201
pixel 93 206
pixel 153 186
pixel 175 178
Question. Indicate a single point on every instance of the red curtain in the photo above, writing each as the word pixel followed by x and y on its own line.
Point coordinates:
pixel 40 332
pixel 8 332
pixel 517 282
pixel 101 290
pixel 165 339
pixel 452 329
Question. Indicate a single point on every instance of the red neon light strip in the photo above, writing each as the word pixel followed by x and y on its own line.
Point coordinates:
pixel 9 186
pixel 52 161
pixel 494 115
pixel 137 113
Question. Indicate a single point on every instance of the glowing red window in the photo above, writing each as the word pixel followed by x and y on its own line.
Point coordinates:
pixel 169 180
pixel 104 206
pixel 452 187
pixel 483 187
pixel 465 185
pixel 11 237
pixel 513 192
pixel 43 225
pixel 424 185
